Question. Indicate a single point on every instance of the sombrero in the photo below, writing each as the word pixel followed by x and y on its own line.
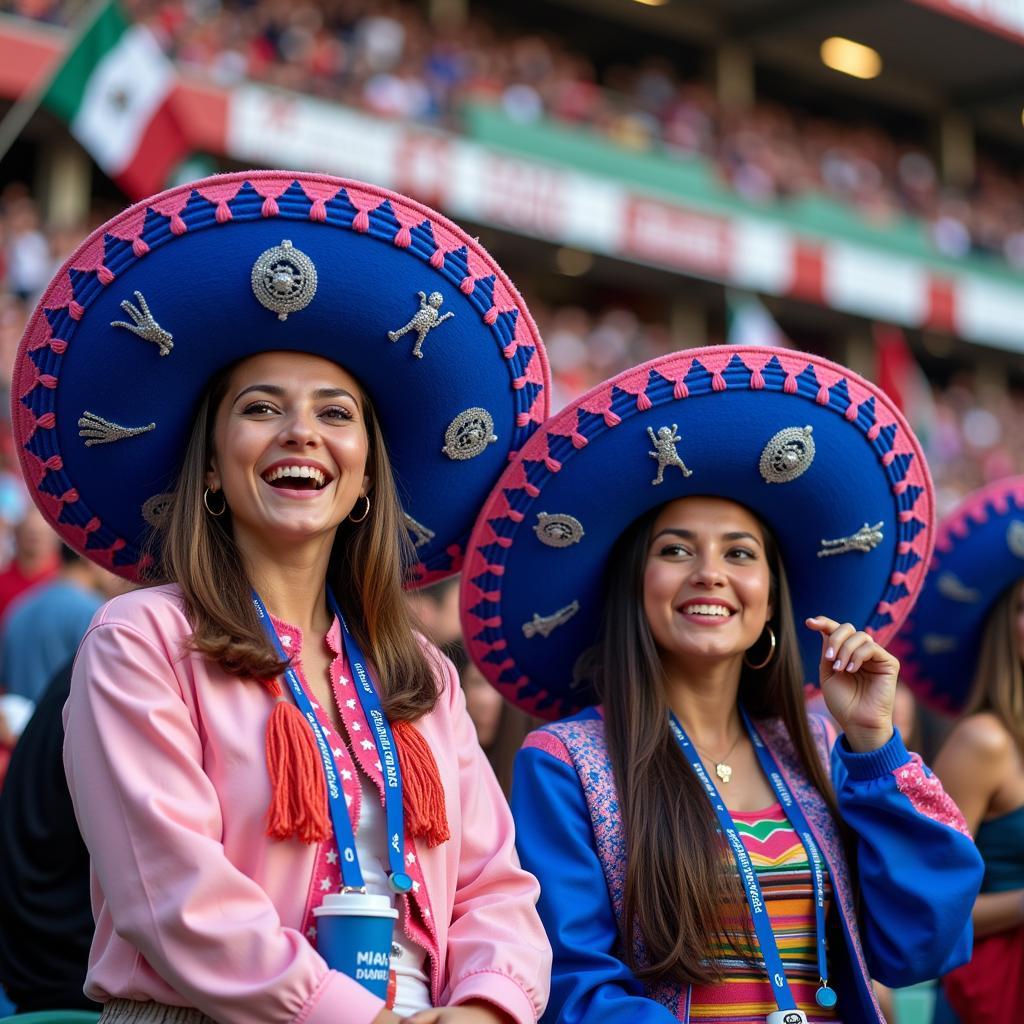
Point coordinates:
pixel 979 554
pixel 161 297
pixel 819 454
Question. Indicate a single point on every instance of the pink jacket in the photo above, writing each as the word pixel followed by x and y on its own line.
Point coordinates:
pixel 196 906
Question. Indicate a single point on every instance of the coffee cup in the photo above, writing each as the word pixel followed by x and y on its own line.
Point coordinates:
pixel 353 934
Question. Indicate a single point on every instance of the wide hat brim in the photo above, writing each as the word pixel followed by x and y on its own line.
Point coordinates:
pixel 979 555
pixel 853 514
pixel 179 286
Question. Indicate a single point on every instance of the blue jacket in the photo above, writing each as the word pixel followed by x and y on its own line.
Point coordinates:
pixel 918 869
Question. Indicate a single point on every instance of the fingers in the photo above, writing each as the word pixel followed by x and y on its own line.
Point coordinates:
pixel 854 652
pixel 423 1017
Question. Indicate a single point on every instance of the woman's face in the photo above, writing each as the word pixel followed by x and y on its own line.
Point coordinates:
pixel 707 583
pixel 290 448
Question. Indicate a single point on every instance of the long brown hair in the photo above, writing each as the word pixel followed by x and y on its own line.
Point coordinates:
pixel 366 570
pixel 679 880
pixel 998 684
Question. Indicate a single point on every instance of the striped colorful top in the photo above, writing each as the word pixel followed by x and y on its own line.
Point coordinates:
pixel 744 996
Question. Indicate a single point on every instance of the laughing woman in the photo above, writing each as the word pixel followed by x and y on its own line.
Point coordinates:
pixel 246 391
pixel 713 524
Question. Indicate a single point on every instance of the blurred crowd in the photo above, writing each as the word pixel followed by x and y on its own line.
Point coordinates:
pixel 383 56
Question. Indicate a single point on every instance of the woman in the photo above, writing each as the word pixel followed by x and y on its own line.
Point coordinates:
pixel 697 524
pixel 243 389
pixel 964 650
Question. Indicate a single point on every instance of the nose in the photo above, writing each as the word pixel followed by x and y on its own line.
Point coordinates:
pixel 707 573
pixel 300 430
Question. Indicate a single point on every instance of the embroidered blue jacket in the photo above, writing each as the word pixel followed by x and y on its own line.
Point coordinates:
pixel 918 869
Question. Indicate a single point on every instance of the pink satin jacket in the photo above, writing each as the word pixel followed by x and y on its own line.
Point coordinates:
pixel 196 906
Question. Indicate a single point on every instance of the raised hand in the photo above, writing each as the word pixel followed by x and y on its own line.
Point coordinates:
pixel 858 681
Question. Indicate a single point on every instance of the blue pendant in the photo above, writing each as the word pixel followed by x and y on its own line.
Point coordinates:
pixel 400 882
pixel 825 997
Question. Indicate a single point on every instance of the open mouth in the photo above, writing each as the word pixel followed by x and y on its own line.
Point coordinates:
pixel 703 610
pixel 297 478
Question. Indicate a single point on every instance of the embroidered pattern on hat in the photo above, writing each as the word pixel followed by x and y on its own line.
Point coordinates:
pixel 155 510
pixel 144 324
pixel 935 643
pixel 469 434
pixel 787 455
pixel 950 586
pixel 665 451
pixel 558 530
pixel 420 534
pixel 866 539
pixel 284 279
pixel 97 430
pixel 1015 538
pixel 424 320
pixel 545 625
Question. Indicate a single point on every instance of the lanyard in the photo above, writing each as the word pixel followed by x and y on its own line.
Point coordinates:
pixel 351 875
pixel 752 887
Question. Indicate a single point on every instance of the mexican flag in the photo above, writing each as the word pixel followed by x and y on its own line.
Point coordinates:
pixel 114 91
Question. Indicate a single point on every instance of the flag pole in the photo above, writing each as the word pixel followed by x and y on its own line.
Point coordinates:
pixel 26 105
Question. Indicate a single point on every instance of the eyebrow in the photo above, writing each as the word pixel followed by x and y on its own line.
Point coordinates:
pixel 277 392
pixel 690 535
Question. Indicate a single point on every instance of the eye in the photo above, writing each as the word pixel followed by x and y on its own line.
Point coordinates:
pixel 259 407
pixel 742 554
pixel 675 550
pixel 337 412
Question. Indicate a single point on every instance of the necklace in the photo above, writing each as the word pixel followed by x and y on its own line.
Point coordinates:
pixel 722 767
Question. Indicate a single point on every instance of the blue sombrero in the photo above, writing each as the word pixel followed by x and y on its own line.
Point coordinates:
pixel 979 554
pixel 160 298
pixel 821 455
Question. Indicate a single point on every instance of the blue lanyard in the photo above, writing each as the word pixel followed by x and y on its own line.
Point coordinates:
pixel 351 875
pixel 825 996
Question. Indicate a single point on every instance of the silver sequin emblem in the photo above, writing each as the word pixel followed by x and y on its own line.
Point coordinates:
pixel 419 533
pixel 558 530
pixel 96 430
pixel 866 539
pixel 144 325
pixel 424 320
pixel 787 455
pixel 1015 538
pixel 284 279
pixel 156 509
pixel 950 586
pixel 934 643
pixel 545 625
pixel 469 434
pixel 665 442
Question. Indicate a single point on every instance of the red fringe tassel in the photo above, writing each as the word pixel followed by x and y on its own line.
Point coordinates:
pixel 425 812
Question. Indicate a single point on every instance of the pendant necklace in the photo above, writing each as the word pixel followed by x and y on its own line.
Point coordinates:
pixel 722 767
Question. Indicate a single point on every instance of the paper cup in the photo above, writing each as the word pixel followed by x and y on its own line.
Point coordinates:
pixel 353 934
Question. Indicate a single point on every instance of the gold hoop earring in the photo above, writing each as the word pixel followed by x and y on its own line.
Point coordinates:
pixel 223 503
pixel 771 650
pixel 353 519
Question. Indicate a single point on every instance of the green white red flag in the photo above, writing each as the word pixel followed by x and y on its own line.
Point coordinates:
pixel 114 89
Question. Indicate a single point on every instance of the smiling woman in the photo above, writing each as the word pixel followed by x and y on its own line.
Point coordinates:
pixel 287 813
pixel 704 870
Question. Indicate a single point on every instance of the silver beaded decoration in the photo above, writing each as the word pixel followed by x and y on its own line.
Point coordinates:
pixel 935 643
pixel 156 509
pixel 284 279
pixel 558 530
pixel 97 430
pixel 866 539
pixel 424 320
pixel 144 324
pixel 952 588
pixel 1015 538
pixel 545 625
pixel 665 453
pixel 787 455
pixel 420 534
pixel 469 434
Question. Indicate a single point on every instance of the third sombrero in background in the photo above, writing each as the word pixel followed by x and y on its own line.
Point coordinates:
pixel 979 555
pixel 821 455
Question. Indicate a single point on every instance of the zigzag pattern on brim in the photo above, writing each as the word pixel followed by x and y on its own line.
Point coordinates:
pixel 659 382
pixel 977 510
pixel 129 237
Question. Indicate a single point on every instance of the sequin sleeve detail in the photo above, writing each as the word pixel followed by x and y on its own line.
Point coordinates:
pixel 925 792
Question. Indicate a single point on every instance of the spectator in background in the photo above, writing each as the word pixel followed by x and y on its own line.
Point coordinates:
pixel 36 558
pixel 44 626
pixel 437 609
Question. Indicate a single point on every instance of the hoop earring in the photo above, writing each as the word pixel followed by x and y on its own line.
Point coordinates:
pixel 353 519
pixel 223 503
pixel 771 650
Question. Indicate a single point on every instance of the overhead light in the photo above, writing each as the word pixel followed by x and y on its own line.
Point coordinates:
pixel 850 58
pixel 651 3
pixel 573 262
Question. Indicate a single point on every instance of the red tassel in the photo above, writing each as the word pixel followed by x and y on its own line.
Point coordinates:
pixel 421 782
pixel 298 801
